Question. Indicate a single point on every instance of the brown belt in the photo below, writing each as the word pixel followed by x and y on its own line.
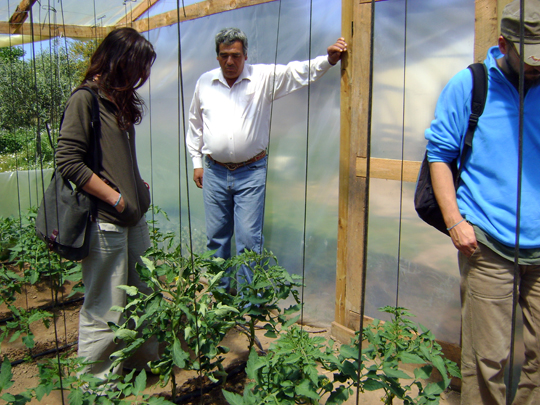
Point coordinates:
pixel 234 166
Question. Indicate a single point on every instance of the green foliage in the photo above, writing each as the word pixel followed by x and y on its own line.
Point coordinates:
pixel 24 250
pixel 400 341
pixel 187 310
pixel 84 389
pixel 289 372
pixel 259 301
pixel 34 92
pixel 34 259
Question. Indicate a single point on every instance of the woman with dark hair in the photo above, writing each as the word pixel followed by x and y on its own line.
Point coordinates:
pixel 119 235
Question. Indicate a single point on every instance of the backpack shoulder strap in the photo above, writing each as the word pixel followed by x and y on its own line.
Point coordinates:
pixel 96 127
pixel 478 102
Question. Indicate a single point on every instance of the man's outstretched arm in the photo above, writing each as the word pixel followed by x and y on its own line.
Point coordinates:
pixel 336 50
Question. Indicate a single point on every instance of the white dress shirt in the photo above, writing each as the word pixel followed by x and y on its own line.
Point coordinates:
pixel 232 124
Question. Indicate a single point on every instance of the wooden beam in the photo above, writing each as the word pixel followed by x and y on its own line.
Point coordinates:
pixel 20 15
pixel 192 12
pixel 388 169
pixel 45 31
pixel 486 30
pixel 136 12
pixel 352 229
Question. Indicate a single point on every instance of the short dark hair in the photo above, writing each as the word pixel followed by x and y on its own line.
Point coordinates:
pixel 229 36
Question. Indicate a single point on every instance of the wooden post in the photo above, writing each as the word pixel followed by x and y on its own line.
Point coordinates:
pixel 352 230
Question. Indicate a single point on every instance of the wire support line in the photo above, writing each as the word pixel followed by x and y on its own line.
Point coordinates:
pixel 271 112
pixel 400 228
pixel 306 170
pixel 181 123
pixel 39 157
pixel 183 139
pixel 366 196
pixel 515 290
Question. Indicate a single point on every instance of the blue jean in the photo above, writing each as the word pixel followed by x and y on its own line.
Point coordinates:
pixel 234 203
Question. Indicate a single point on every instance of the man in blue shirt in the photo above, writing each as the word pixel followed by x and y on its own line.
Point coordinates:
pixel 482 214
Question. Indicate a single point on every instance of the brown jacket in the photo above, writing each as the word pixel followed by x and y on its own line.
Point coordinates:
pixel 119 160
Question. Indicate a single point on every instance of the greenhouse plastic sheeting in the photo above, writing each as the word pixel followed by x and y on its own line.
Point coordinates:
pixel 413 61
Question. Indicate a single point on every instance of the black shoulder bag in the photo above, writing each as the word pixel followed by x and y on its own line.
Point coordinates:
pixel 425 202
pixel 64 215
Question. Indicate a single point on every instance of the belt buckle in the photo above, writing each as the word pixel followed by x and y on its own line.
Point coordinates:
pixel 232 166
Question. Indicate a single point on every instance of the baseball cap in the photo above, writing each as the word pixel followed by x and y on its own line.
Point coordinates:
pixel 510 28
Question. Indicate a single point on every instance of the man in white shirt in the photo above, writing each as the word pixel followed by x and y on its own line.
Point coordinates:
pixel 229 124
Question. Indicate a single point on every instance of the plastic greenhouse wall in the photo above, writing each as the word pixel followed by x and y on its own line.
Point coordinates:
pixel 419 45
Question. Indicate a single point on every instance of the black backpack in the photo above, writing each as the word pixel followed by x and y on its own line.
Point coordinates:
pixel 425 203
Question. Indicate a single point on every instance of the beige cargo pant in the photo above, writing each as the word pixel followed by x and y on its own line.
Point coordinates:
pixel 486 312
pixel 114 250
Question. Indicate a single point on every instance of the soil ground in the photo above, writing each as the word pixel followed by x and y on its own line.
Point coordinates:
pixel 65 333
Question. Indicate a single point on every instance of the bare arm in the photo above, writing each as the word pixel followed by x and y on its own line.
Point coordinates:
pixel 98 188
pixel 443 186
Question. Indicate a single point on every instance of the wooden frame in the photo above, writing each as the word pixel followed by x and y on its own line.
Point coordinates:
pixel 194 11
pixel 355 166
pixel 356 169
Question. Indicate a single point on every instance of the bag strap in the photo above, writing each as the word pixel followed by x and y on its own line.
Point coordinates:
pixel 95 121
pixel 478 101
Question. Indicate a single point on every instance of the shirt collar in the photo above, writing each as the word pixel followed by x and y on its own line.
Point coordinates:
pixel 246 74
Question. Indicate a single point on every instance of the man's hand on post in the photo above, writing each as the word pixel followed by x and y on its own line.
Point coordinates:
pixel 335 51
pixel 198 177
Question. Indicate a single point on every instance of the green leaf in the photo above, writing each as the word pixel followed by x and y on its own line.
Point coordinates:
pixel 372 385
pixel 291 322
pixel 126 334
pixel 179 355
pixel 423 373
pixel 140 383
pixel 75 397
pixel 434 388
pixel 253 364
pixel 438 362
pixel 5 375
pixel 129 289
pixel 307 389
pixel 395 373
pixel 232 398
pixel 224 310
pixel 349 352
pixel 28 341
pixel 42 390
pixel 148 263
pixel 411 358
pixel 340 395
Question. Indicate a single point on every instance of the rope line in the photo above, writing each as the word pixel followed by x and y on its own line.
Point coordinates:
pixel 271 114
pixel 181 102
pixel 398 265
pixel 366 196
pixel 515 291
pixel 39 158
pixel 306 171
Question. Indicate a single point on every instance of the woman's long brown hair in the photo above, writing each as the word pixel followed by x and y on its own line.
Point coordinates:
pixel 121 65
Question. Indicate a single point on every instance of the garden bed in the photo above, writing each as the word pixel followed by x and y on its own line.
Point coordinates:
pixel 204 334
